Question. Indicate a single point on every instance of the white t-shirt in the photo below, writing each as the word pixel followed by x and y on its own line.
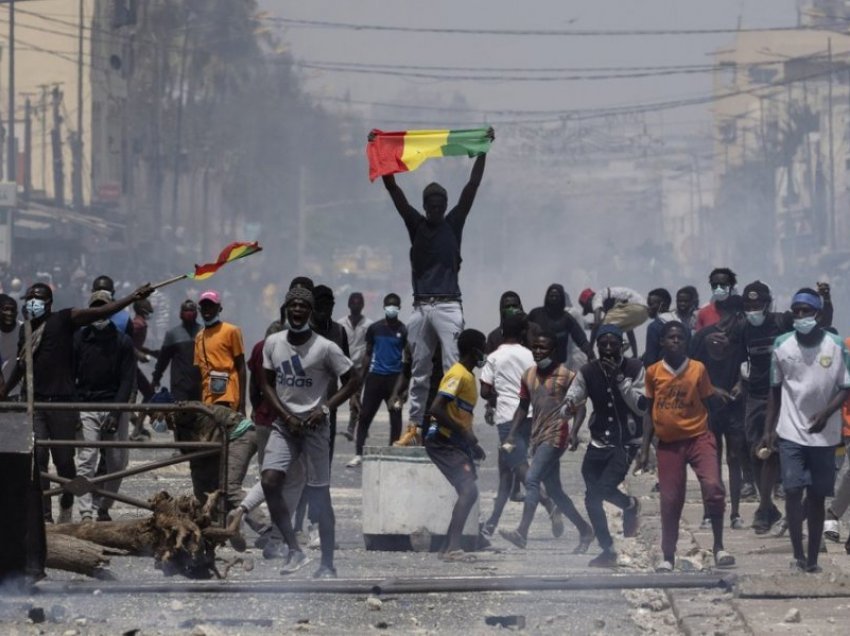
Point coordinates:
pixel 809 377
pixel 304 371
pixel 503 372
pixel 619 295
pixel 356 337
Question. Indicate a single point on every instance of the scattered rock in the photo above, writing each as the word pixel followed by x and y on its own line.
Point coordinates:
pixel 70 632
pixel 599 623
pixel 97 592
pixel 690 563
pixel 382 625
pixel 414 620
pixel 58 613
pixel 792 616
pixel 82 622
pixel 374 603
pixel 175 605
pixel 36 614
pixel 302 621
pixel 302 627
pixel 658 604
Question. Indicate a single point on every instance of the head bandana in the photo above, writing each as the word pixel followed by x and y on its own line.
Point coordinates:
pixel 805 298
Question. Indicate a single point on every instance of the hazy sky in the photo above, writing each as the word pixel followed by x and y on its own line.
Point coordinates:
pixel 370 47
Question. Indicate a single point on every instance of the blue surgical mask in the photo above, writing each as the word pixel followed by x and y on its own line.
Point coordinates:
pixel 212 321
pixel 545 363
pixel 35 308
pixel 756 318
pixel 805 325
pixel 391 312
pixel 721 292
pixel 301 329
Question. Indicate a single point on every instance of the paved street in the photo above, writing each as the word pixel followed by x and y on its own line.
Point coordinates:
pixel 209 608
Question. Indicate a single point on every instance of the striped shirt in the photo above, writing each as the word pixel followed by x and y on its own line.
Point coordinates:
pixel 546 394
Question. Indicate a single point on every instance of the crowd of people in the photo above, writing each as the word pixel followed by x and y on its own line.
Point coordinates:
pixel 732 378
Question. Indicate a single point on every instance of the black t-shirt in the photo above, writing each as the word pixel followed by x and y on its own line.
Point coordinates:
pixel 53 360
pixel 757 346
pixel 435 251
pixel 724 373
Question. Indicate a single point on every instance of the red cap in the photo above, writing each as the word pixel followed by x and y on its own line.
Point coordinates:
pixel 585 296
pixel 211 296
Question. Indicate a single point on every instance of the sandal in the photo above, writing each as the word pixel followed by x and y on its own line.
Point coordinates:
pixel 723 559
pixel 457 556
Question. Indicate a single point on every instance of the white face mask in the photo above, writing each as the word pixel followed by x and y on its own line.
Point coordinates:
pixel 100 325
pixel 545 363
pixel 756 318
pixel 721 292
pixel 391 312
pixel 805 325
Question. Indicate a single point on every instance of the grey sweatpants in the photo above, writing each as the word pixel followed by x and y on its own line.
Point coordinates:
pixel 116 458
pixel 431 324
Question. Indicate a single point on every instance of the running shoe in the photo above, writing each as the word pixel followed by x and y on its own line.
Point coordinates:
pixel 514 537
pixel 557 520
pixel 355 462
pixel 605 559
pixel 831 530
pixel 736 522
pixel 325 572
pixel 295 561
pixel 664 566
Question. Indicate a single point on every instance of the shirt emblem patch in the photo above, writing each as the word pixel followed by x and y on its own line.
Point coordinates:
pixel 825 361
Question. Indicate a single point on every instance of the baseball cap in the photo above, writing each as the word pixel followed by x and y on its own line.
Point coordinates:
pixel 100 297
pixel 585 295
pixel 211 296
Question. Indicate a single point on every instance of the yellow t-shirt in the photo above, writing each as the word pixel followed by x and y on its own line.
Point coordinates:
pixel 216 349
pixel 458 385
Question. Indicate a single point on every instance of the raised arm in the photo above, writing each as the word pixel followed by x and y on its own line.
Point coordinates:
pixel 408 213
pixel 83 317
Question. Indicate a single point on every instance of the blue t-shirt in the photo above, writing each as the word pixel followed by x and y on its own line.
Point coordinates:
pixel 387 343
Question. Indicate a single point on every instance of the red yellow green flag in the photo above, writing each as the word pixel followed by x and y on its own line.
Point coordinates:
pixel 402 151
pixel 230 253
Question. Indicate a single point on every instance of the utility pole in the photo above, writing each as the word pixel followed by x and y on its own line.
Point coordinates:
pixel 77 170
pixel 830 224
pixel 11 171
pixel 27 149
pixel 175 186
pixel 56 139
pixel 43 109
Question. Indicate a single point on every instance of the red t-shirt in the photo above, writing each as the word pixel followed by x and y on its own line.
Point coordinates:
pixel 707 316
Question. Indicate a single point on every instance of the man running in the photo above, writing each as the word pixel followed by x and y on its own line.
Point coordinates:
pixel 178 351
pixel 450 442
pixel 544 387
pixel 299 366
pixel 435 258
pixel 810 380
pixel 722 281
pixel 500 385
pixel 615 386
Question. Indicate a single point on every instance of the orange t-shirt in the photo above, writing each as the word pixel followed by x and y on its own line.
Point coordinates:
pixel 677 409
pixel 216 349
pixel 845 408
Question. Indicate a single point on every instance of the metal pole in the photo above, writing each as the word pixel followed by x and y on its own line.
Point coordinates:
pixel 28 149
pixel 830 224
pixel 420 585
pixel 12 169
pixel 78 145
pixel 30 406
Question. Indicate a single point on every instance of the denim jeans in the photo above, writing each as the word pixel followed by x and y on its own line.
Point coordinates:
pixel 545 468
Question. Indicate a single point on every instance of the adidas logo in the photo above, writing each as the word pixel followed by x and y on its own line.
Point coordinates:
pixel 291 374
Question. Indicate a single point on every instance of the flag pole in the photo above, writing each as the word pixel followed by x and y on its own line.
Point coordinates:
pixel 169 281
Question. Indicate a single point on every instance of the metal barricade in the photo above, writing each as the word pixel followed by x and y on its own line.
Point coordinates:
pixel 82 485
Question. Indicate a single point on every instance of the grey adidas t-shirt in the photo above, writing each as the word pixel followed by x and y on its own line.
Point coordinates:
pixel 303 371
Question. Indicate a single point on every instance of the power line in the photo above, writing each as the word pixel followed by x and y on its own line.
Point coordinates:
pixel 351 26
